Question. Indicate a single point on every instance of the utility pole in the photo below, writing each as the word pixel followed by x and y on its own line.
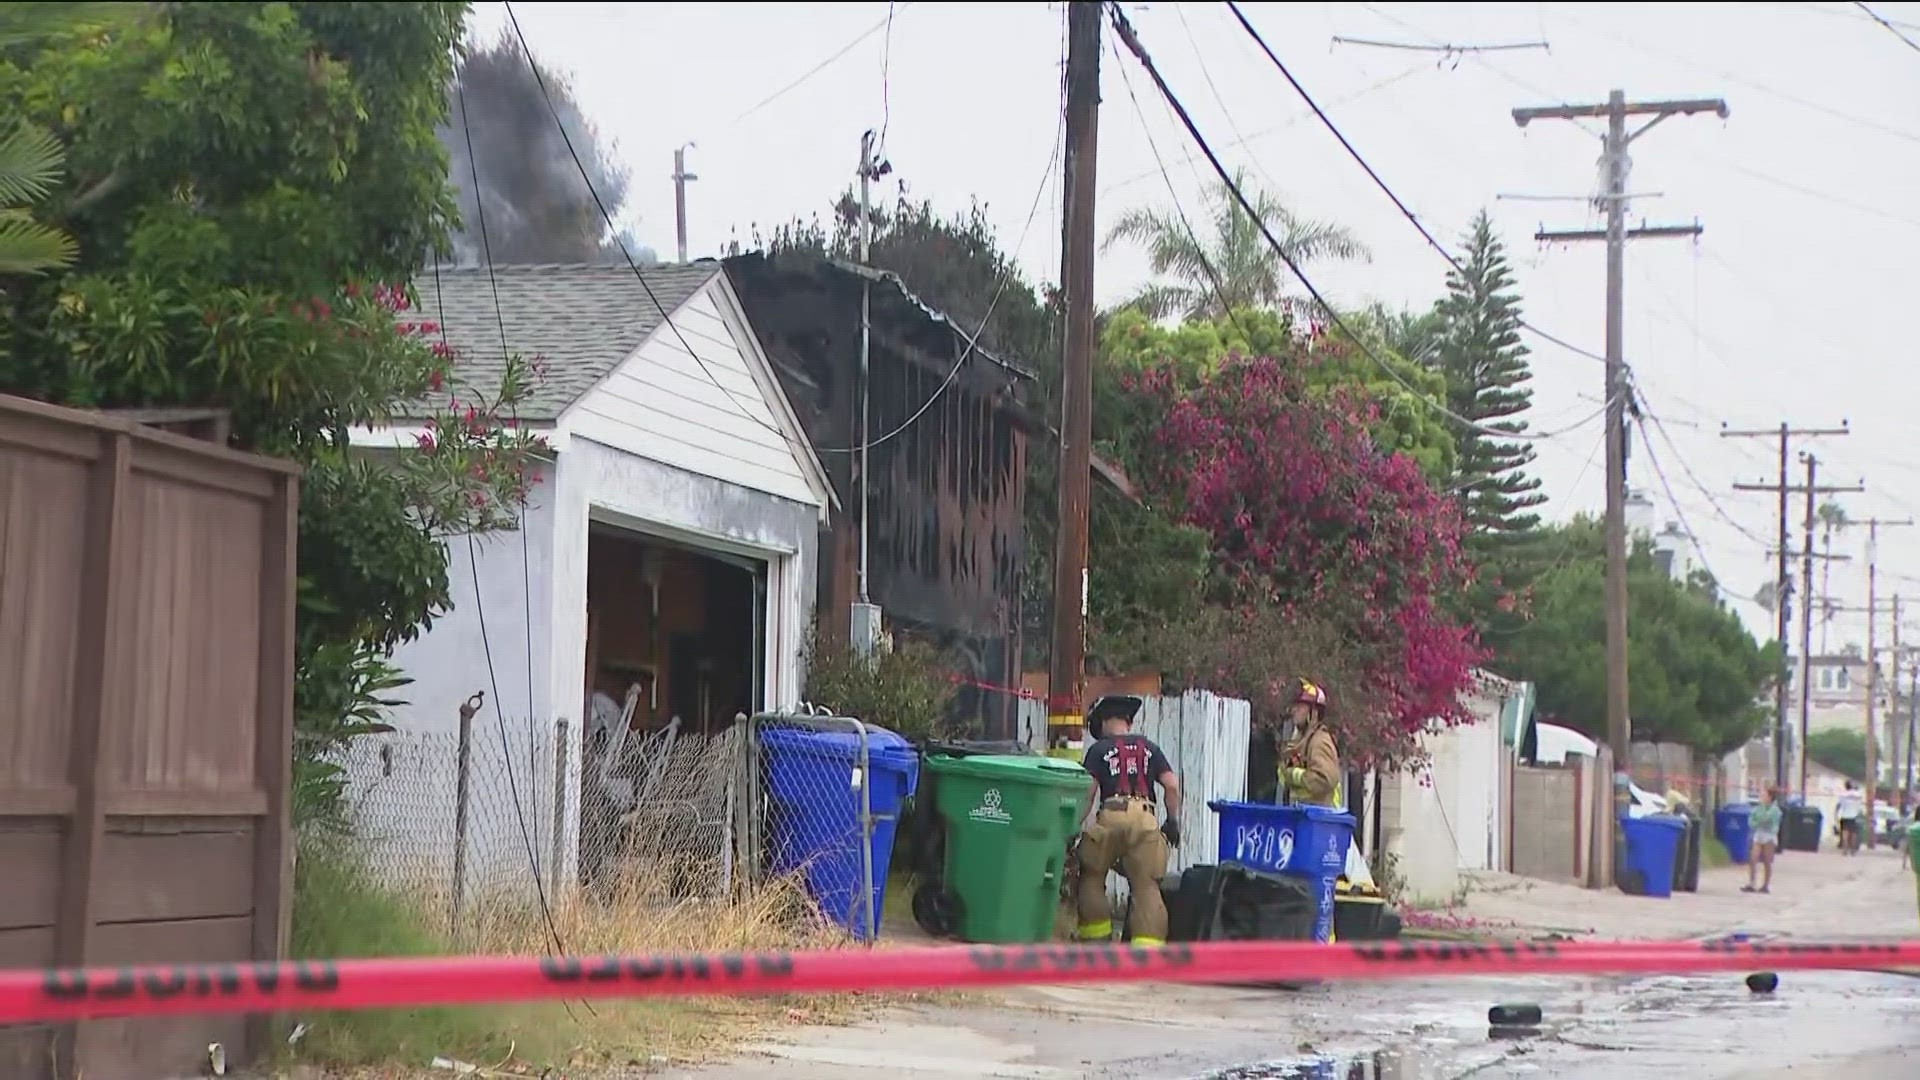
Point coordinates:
pixel 1066 685
pixel 866 615
pixel 1873 658
pixel 1783 582
pixel 1613 202
pixel 680 178
pixel 1913 728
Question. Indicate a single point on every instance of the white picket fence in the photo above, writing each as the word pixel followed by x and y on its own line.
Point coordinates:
pixel 1205 738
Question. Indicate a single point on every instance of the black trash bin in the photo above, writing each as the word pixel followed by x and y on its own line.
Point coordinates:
pixel 1251 907
pixel 1686 856
pixel 1800 828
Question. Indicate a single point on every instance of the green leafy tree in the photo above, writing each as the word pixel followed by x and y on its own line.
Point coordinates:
pixel 1480 353
pixel 1130 344
pixel 32 160
pixel 1697 676
pixel 1250 274
pixel 1841 749
pixel 251 186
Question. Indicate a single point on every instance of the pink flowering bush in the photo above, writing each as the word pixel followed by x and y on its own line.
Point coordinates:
pixel 1311 521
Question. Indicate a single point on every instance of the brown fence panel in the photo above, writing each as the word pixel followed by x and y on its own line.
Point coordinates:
pixel 146 721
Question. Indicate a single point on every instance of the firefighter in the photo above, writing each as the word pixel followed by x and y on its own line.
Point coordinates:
pixel 1310 762
pixel 1126 833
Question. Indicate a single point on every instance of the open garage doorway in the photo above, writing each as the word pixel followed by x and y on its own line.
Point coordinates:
pixel 676 647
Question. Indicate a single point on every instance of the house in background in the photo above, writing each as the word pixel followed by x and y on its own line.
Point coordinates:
pixel 671 545
pixel 947 494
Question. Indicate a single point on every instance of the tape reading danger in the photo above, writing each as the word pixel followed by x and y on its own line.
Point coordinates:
pixel 32 996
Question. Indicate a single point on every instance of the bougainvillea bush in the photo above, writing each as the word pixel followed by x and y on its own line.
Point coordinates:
pixel 1314 526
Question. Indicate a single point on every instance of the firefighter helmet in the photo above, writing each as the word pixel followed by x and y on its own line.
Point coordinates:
pixel 1307 692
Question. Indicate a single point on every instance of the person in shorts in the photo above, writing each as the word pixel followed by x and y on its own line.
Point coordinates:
pixel 1852 812
pixel 1765 821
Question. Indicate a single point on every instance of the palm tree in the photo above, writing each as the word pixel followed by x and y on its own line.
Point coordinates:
pixel 31 159
pixel 1833 520
pixel 1229 242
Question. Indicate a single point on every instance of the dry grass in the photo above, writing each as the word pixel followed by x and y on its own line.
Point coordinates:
pixel 605 1038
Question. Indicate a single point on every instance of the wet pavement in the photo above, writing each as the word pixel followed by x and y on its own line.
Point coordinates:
pixel 1860 1026
pixel 1815 1026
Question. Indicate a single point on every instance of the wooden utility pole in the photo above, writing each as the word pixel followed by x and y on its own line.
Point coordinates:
pixel 1913 728
pixel 1613 202
pixel 680 179
pixel 1066 682
pixel 1874 525
pixel 1783 583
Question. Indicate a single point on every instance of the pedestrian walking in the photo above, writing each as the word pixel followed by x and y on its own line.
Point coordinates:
pixel 1852 813
pixel 1126 833
pixel 1765 821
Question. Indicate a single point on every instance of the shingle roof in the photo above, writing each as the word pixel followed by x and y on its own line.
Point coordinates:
pixel 584 320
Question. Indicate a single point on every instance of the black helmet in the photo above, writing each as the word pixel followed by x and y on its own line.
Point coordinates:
pixel 1113 707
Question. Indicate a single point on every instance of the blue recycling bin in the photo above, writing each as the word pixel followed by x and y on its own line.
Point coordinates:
pixel 813 780
pixel 1733 824
pixel 1652 843
pixel 1309 842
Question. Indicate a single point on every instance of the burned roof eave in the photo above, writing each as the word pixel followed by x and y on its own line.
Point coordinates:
pixel 888 277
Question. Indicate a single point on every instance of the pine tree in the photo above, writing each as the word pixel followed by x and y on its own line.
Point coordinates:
pixel 1485 364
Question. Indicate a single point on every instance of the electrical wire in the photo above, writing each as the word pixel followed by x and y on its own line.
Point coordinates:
pixel 885 25
pixel 1891 29
pixel 1720 511
pixel 473 558
pixel 1700 549
pixel 1405 210
pixel 1206 264
pixel 666 317
pixel 886 82
pixel 1132 41
pixel 1371 88
pixel 973 339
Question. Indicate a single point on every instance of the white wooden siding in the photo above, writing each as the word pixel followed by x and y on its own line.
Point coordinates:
pixel 706 412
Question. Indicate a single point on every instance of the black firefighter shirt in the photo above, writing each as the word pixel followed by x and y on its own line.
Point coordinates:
pixel 1127 765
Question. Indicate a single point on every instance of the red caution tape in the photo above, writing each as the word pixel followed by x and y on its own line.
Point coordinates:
pixel 39 996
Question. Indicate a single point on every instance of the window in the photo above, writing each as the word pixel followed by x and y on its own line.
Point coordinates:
pixel 1843 679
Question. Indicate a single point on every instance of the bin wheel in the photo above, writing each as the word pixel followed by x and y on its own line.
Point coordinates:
pixel 937 910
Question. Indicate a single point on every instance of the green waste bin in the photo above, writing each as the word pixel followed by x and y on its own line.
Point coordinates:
pixel 1008 820
pixel 1913 855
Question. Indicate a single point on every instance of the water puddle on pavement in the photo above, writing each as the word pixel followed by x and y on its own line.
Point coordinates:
pixel 1377 1065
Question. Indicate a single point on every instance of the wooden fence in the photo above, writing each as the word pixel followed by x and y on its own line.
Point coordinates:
pixel 146 721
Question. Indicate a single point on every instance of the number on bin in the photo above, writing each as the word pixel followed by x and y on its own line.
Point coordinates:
pixel 1263 845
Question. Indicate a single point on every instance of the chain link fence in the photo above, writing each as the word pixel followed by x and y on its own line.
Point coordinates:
pixel 524 811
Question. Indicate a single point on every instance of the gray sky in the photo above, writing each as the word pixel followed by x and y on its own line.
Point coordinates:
pixel 1792 306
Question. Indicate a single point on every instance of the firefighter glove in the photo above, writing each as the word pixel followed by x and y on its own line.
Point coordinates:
pixel 1171 830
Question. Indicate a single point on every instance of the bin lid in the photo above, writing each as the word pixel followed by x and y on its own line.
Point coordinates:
pixel 1665 821
pixel 881 743
pixel 1014 768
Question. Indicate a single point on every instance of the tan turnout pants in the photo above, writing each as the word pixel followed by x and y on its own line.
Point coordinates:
pixel 1126 839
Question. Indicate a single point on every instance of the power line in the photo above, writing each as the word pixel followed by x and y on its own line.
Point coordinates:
pixel 1275 129
pixel 1891 29
pixel 1720 511
pixel 666 316
pixel 1124 28
pixel 885 25
pixel 1353 152
pixel 973 340
pixel 1206 264
pixel 473 558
